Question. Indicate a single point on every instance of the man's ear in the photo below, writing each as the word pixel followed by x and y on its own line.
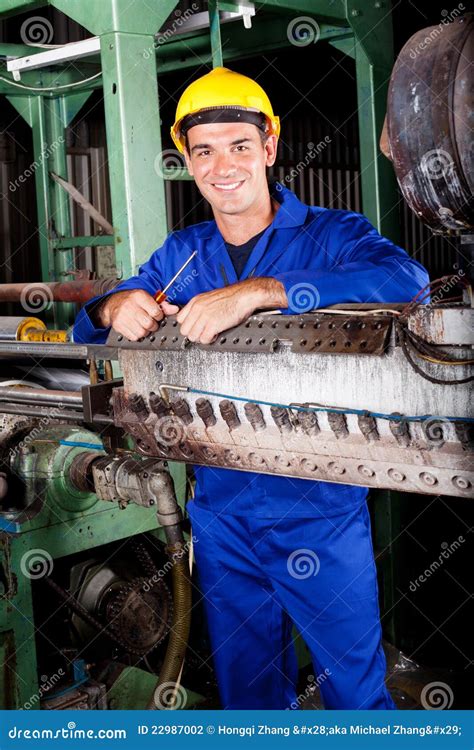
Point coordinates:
pixel 270 147
pixel 187 159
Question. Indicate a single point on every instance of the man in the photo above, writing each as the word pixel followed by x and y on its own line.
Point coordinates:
pixel 255 532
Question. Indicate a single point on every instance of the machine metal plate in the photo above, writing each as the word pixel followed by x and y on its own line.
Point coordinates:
pixel 312 333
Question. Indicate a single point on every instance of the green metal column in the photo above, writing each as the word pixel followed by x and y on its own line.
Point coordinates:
pixel 372 27
pixel 49 117
pixel 129 77
pixel 60 220
pixel 31 108
pixel 215 30
pixel 134 146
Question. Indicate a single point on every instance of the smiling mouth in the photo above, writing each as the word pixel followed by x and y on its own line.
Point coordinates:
pixel 227 186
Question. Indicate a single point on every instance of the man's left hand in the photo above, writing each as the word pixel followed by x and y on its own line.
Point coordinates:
pixel 204 317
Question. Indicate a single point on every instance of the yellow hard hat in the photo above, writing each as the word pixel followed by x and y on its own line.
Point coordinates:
pixel 223 96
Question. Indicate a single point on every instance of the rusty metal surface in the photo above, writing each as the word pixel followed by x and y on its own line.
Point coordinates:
pixel 207 406
pixel 332 447
pixel 313 333
pixel 430 121
pixel 444 326
pixel 56 291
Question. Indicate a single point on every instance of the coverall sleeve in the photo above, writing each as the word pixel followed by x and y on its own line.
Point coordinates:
pixel 362 266
pixel 149 278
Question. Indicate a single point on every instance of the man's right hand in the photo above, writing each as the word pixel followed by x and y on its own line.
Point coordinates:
pixel 133 313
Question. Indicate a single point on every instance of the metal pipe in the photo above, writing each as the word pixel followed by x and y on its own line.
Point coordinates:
pixel 32 411
pixel 169 517
pixel 40 396
pixel 78 291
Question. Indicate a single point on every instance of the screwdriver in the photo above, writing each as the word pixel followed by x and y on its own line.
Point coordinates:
pixel 160 295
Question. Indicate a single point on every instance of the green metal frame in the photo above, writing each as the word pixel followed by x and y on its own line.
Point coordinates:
pixel 129 81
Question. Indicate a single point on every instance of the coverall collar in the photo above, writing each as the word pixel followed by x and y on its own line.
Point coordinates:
pixel 292 212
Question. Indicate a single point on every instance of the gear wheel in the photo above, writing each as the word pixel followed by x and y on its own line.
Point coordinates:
pixel 139 614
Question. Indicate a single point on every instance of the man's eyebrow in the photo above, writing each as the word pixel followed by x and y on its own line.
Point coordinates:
pixel 208 145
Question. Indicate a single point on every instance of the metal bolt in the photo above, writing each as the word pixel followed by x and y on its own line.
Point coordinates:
pixel 231 456
pixel 355 12
pixel 206 412
pixel 336 469
pixel 159 366
pixel 281 418
pixel 461 483
pixel 428 478
pixel 182 410
pixel 397 476
pixel 254 415
pixel 229 414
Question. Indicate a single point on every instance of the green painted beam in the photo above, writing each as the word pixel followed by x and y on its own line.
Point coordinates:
pixel 48 118
pixel 47 83
pixel 380 198
pixel 63 243
pixel 237 43
pixel 137 17
pixel 371 23
pixel 215 33
pixel 57 118
pixel 134 145
pixel 344 45
pixel 32 110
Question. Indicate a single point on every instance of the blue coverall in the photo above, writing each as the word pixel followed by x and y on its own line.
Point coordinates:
pixel 273 551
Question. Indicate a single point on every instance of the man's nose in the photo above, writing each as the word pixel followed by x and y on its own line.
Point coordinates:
pixel 224 164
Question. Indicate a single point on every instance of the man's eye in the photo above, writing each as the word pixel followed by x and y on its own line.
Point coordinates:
pixel 204 153
pixel 241 148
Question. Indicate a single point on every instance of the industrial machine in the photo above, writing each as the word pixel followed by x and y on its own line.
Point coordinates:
pixel 97 441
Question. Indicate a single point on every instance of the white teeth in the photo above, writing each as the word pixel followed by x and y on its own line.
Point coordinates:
pixel 230 186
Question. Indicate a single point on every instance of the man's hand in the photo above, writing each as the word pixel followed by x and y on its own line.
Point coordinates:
pixel 208 314
pixel 133 313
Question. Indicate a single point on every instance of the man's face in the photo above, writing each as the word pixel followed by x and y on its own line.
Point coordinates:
pixel 228 162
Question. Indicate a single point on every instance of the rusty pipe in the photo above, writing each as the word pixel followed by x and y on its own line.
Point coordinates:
pixel 78 291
